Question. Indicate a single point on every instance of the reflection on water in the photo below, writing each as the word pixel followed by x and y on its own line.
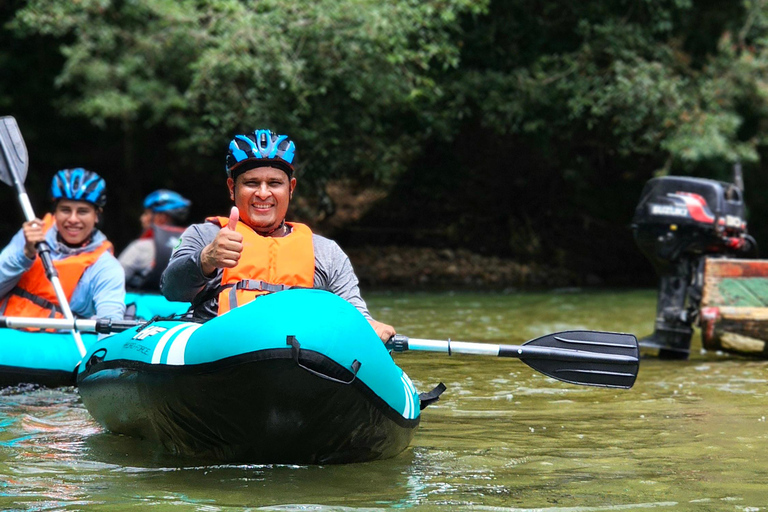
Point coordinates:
pixel 689 436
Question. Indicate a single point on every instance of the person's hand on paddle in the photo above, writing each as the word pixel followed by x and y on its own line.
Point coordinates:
pixel 226 248
pixel 33 234
pixel 384 331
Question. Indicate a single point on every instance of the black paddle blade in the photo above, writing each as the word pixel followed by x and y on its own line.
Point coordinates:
pixel 591 358
pixel 14 160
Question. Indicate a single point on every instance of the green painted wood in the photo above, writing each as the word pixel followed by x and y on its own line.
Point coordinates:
pixel 741 292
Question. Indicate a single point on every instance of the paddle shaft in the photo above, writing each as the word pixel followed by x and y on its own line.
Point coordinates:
pixel 98 325
pixel 515 351
pixel 42 248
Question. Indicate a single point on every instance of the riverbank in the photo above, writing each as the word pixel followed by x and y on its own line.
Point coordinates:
pixel 422 267
pixel 409 267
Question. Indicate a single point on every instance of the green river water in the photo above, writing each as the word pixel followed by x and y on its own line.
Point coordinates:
pixel 691 435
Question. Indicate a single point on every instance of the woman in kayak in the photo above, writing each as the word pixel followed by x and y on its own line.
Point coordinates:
pixel 91 277
pixel 145 259
pixel 228 261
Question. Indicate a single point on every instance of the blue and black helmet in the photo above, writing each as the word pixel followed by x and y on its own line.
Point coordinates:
pixel 168 201
pixel 262 148
pixel 79 184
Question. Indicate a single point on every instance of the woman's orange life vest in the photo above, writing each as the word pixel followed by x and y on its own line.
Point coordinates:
pixel 267 264
pixel 34 295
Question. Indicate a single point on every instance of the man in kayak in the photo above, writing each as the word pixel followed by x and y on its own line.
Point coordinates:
pixel 145 259
pixel 228 261
pixel 91 277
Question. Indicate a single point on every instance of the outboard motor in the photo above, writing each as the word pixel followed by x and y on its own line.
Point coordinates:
pixel 678 222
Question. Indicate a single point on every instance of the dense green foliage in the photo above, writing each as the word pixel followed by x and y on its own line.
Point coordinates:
pixel 570 107
pixel 344 77
pixel 518 128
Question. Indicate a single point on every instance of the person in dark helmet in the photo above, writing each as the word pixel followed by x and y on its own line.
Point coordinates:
pixel 92 279
pixel 145 259
pixel 228 261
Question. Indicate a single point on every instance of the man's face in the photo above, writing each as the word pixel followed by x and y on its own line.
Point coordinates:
pixel 75 220
pixel 150 218
pixel 146 219
pixel 262 196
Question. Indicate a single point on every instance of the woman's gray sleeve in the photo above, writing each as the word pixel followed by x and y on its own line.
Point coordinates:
pixel 138 258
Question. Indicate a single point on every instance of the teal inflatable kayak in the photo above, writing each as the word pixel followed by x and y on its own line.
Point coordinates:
pixel 50 358
pixel 295 377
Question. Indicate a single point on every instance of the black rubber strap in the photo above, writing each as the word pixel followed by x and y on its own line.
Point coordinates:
pixel 296 349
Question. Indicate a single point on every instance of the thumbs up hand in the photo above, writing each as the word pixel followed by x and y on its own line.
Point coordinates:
pixel 225 250
pixel 234 216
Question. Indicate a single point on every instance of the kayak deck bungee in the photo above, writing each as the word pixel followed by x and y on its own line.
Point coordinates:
pixel 294 377
pixel 50 358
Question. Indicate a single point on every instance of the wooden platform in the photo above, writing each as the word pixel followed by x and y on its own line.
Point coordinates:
pixel 734 306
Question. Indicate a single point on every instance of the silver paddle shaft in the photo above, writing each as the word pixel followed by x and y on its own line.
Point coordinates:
pixel 58 324
pixel 100 325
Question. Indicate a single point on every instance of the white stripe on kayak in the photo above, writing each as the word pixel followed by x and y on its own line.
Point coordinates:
pixel 161 344
pixel 410 390
pixel 179 345
pixel 407 411
pixel 414 397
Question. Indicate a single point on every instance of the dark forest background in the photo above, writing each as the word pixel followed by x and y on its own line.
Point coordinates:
pixel 516 129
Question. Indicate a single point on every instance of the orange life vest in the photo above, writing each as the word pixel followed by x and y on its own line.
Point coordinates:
pixel 34 295
pixel 267 264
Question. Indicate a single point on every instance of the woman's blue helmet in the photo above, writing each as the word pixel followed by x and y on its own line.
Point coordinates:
pixel 262 148
pixel 79 184
pixel 168 201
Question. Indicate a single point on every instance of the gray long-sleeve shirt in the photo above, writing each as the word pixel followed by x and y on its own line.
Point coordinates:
pixel 183 279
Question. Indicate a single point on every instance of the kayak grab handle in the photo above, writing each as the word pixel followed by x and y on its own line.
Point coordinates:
pixel 296 349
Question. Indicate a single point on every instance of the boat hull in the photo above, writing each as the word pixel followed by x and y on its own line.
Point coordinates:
pixel 224 413
pixel 256 386
pixel 734 306
pixel 41 358
pixel 51 358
